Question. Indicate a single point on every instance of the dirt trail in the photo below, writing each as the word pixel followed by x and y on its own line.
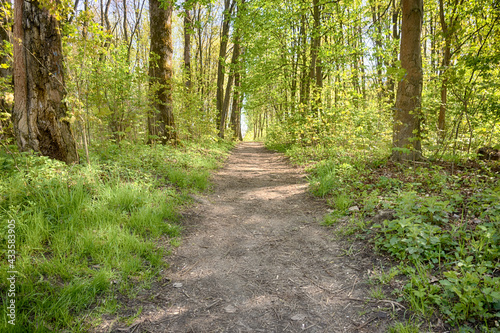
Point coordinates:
pixel 255 259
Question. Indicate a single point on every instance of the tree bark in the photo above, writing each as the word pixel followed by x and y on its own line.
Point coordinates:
pixel 407 117
pixel 233 77
pixel 39 113
pixel 161 124
pixel 221 120
pixel 187 48
pixel 125 25
pixel 236 107
pixel 395 36
pixel 304 78
pixel 316 74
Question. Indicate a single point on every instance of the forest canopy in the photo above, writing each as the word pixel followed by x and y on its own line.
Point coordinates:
pixel 319 72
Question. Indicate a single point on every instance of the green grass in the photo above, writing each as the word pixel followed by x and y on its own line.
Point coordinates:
pixel 407 327
pixel 85 232
pixel 445 232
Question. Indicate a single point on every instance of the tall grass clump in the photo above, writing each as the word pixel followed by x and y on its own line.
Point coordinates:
pixel 85 232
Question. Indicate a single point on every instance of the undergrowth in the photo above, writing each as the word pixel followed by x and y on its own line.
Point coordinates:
pixel 444 230
pixel 86 232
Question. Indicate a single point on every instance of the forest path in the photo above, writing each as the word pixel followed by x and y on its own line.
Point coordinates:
pixel 255 259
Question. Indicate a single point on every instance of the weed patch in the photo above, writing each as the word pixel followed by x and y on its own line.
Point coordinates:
pixel 445 228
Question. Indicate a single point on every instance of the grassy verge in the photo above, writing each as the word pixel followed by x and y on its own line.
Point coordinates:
pixel 83 233
pixel 442 226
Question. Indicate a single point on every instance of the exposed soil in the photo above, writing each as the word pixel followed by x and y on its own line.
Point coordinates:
pixel 255 259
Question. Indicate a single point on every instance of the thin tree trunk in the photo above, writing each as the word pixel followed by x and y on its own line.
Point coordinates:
pixel 200 52
pixel 125 27
pixel 221 121
pixel 376 16
pixel 304 80
pixel 85 22
pixel 187 48
pixel 235 75
pixel 236 109
pixel 39 111
pixel 316 74
pixel 395 36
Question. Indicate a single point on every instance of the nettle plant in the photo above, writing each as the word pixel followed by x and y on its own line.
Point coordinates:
pixel 452 259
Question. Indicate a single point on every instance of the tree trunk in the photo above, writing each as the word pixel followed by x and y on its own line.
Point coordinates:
pixel 39 113
pixel 377 18
pixel 125 29
pixel 316 74
pixel 236 108
pixel 187 48
pixel 235 74
pixel 221 120
pixel 225 104
pixel 395 36
pixel 161 123
pixel 230 80
pixel 407 117
pixel 304 78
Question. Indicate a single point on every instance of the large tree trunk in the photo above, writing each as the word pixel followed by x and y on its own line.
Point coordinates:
pixel 407 116
pixel 161 123
pixel 39 113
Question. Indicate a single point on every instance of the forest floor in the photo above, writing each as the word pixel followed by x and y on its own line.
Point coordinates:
pixel 254 258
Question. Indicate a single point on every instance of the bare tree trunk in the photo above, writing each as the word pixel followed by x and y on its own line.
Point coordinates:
pixel 187 48
pixel 221 120
pixel 125 28
pixel 236 108
pixel 395 36
pixel 407 117
pixel 85 22
pixel 161 124
pixel 39 112
pixel 232 77
pixel 199 51
pixel 316 74
pixel 304 78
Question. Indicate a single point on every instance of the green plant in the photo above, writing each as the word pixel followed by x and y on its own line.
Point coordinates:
pixel 377 293
pixel 385 276
pixel 341 202
pixel 330 219
pixel 408 327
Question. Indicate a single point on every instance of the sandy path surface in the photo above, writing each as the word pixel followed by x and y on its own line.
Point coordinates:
pixel 255 259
